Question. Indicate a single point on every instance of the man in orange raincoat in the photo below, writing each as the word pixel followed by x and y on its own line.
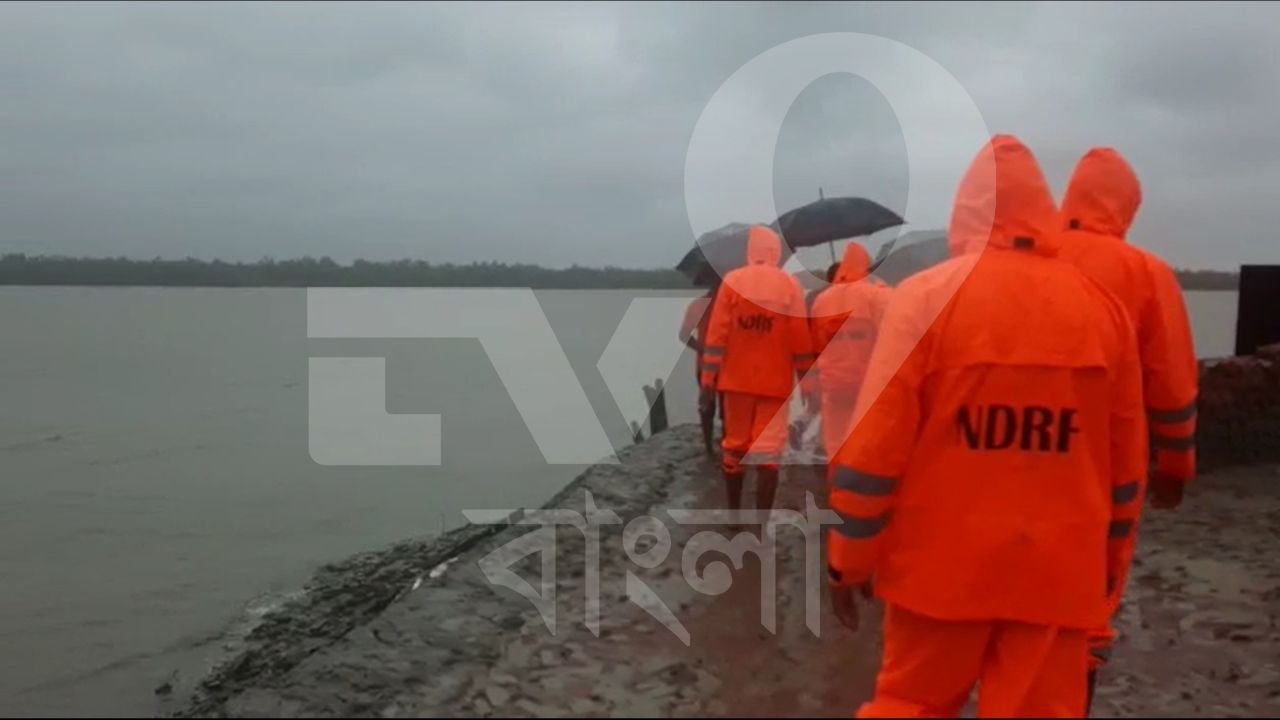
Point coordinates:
pixel 990 481
pixel 757 345
pixel 844 319
pixel 1100 204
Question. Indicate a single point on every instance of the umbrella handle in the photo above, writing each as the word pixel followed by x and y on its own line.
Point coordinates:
pixel 888 250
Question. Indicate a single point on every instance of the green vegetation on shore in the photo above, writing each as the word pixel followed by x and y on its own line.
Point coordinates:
pixel 19 269
pixel 1208 280
pixel 322 272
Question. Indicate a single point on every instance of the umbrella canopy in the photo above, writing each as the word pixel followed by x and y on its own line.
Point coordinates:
pixel 809 280
pixel 832 219
pixel 717 252
pixel 908 254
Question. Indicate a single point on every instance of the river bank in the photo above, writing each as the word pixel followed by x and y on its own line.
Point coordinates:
pixel 419 630
pixel 455 644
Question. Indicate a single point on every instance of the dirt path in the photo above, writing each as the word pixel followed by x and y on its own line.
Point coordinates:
pixel 732 666
pixel 1198 634
pixel 1199 629
pixel 795 672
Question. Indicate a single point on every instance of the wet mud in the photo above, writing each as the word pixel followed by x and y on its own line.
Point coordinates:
pixel 420 630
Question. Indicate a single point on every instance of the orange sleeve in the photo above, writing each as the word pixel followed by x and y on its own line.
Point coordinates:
pixel 866 471
pixel 1128 451
pixel 1171 376
pixel 801 341
pixel 713 348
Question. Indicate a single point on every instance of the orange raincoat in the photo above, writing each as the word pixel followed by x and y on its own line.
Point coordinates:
pixel 1100 204
pixel 990 482
pixel 845 319
pixel 757 344
pixel 1101 201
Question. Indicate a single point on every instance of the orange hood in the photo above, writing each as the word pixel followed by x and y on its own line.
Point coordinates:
pixel 1003 201
pixel 854 264
pixel 763 246
pixel 1103 195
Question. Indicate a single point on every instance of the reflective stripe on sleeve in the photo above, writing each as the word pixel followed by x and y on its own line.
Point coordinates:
pixel 1176 415
pixel 1119 529
pixel 862 483
pixel 1124 493
pixel 860 528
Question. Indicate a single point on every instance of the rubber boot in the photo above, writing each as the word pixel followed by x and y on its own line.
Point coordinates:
pixel 766 487
pixel 1092 684
pixel 733 494
pixel 708 418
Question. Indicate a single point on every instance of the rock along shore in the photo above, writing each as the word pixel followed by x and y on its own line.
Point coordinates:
pixel 418 630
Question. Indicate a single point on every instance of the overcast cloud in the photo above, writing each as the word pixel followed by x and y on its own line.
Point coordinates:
pixel 557 134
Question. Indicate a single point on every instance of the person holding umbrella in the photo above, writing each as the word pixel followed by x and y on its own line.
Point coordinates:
pixel 757 346
pixel 845 319
pixel 826 221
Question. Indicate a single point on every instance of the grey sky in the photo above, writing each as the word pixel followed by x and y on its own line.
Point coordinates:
pixel 557 133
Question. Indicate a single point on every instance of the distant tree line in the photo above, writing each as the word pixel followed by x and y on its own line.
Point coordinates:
pixel 1208 280
pixel 20 269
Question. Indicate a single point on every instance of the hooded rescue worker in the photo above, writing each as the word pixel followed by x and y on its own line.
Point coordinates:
pixel 757 345
pixel 990 481
pixel 1100 204
pixel 811 296
pixel 844 320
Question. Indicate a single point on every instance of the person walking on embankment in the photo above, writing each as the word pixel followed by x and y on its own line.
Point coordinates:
pixel 758 346
pixel 989 482
pixel 1100 204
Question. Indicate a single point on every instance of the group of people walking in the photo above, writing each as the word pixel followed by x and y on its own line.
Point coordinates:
pixel 989 424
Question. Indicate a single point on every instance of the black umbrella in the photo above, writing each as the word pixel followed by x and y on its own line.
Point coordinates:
pixel 830 219
pixel 908 254
pixel 716 253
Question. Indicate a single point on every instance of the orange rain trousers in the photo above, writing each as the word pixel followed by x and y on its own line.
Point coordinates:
pixel 837 416
pixel 755 430
pixel 1022 670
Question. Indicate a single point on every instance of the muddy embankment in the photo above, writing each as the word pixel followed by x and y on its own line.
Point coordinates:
pixel 418 629
pixel 398 632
